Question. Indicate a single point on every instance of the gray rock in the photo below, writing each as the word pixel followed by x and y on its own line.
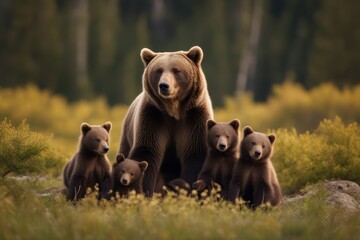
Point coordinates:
pixel 341 194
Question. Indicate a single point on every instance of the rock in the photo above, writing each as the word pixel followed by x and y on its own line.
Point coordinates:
pixel 341 194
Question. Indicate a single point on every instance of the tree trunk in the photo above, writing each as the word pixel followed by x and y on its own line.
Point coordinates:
pixel 248 63
pixel 80 27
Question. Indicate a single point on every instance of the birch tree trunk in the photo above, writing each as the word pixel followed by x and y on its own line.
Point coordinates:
pixel 247 65
pixel 80 30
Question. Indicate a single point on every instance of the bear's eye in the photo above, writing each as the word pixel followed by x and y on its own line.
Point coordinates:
pixel 253 143
pixel 227 136
pixel 98 139
pixel 263 146
pixel 176 71
pixel 132 174
pixel 159 71
pixel 122 171
pixel 217 135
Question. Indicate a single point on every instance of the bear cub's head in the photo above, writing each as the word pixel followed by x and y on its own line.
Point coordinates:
pixel 255 145
pixel 223 136
pixel 127 171
pixel 94 138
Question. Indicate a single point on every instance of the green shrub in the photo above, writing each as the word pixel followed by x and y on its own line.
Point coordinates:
pixel 291 106
pixel 332 151
pixel 23 151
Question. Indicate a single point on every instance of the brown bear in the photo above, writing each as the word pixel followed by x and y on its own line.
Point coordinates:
pixel 90 165
pixel 127 175
pixel 254 178
pixel 223 152
pixel 166 123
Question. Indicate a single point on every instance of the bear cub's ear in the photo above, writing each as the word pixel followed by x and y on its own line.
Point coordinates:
pixel 247 131
pixel 272 138
pixel 119 158
pixel 147 55
pixel 143 166
pixel 107 126
pixel 235 124
pixel 195 54
pixel 85 128
pixel 210 123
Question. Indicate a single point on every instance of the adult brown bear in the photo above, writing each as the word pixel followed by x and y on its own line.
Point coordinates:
pixel 166 123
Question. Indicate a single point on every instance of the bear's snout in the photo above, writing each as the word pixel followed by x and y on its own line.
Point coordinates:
pixel 256 152
pixel 106 149
pixel 125 180
pixel 222 144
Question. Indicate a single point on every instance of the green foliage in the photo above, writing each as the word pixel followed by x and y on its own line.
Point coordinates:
pixel 52 114
pixel 331 152
pixel 173 217
pixel 23 151
pixel 291 106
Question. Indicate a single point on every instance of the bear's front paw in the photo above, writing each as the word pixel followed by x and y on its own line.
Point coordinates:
pixel 199 185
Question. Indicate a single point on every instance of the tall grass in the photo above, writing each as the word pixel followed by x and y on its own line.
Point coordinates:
pixel 27 216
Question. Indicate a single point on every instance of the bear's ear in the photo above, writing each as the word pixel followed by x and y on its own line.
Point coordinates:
pixel 247 130
pixel 107 126
pixel 143 165
pixel 147 55
pixel 272 138
pixel 235 124
pixel 119 158
pixel 195 54
pixel 210 123
pixel 85 128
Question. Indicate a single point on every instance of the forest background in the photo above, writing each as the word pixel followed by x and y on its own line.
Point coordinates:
pixel 83 49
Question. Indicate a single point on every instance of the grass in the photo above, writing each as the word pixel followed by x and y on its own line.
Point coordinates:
pixel 25 215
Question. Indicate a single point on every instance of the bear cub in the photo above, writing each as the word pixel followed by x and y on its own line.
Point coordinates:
pixel 254 177
pixel 90 165
pixel 223 152
pixel 127 175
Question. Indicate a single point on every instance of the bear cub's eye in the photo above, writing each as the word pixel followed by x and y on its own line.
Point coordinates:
pixel 253 143
pixel 132 174
pixel 263 146
pixel 217 135
pixel 122 171
pixel 227 136
pixel 98 139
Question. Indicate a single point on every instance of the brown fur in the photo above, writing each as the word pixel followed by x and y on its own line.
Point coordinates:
pixel 254 177
pixel 223 151
pixel 90 165
pixel 167 127
pixel 127 175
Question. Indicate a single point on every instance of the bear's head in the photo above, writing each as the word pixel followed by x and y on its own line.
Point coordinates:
pixel 171 79
pixel 223 136
pixel 94 138
pixel 127 171
pixel 255 145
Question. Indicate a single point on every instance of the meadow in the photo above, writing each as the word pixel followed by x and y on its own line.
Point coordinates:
pixel 318 138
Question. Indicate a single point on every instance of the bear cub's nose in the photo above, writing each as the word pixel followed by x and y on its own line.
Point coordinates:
pixel 106 149
pixel 124 181
pixel 222 146
pixel 257 153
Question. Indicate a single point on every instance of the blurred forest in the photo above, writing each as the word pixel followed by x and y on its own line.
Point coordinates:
pixel 83 49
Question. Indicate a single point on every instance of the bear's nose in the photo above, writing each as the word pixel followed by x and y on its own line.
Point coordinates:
pixel 106 149
pixel 222 146
pixel 124 181
pixel 164 86
pixel 257 153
